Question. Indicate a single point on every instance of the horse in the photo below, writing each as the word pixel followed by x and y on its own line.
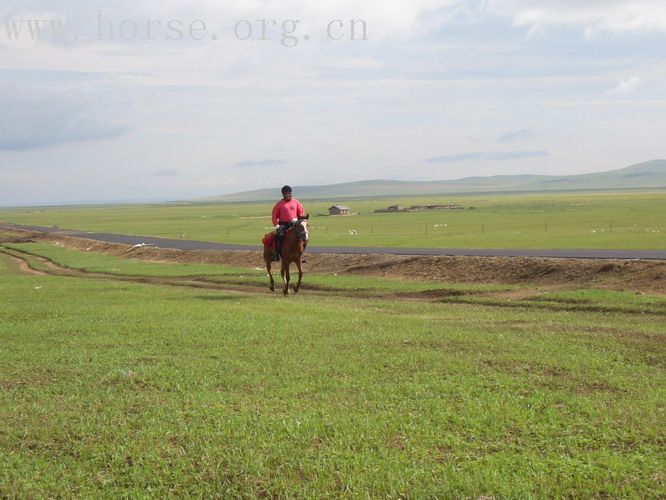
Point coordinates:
pixel 293 246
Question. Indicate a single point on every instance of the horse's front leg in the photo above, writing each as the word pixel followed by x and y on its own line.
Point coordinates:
pixel 285 276
pixel 300 275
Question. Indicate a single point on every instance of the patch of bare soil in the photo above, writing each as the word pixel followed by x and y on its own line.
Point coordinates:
pixel 632 275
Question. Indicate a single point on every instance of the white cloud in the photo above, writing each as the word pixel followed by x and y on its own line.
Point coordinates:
pixel 517 135
pixel 593 16
pixel 628 86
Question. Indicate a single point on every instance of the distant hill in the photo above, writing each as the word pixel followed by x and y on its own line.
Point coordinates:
pixel 650 174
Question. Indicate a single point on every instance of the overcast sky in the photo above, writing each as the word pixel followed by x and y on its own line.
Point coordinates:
pixel 109 109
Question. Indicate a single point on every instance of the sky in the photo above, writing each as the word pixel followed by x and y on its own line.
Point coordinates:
pixel 173 100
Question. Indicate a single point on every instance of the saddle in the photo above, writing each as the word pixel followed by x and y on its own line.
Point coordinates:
pixel 270 240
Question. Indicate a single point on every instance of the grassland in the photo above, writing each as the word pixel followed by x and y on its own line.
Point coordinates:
pixel 572 220
pixel 114 387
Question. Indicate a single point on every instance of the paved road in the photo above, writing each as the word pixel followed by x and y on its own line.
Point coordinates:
pixel 474 252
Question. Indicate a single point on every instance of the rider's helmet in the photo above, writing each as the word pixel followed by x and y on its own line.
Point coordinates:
pixel 286 189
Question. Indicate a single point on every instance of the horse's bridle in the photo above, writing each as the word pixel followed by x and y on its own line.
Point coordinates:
pixel 301 230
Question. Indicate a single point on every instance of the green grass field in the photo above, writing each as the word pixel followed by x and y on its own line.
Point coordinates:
pixel 114 388
pixel 567 220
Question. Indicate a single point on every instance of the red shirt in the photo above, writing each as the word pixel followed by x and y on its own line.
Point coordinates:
pixel 285 211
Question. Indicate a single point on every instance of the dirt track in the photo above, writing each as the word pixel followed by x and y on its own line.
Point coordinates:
pixel 631 275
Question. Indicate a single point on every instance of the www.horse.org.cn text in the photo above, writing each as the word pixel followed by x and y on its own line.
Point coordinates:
pixel 288 33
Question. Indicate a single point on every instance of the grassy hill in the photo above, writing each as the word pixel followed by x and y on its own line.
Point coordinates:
pixel 650 174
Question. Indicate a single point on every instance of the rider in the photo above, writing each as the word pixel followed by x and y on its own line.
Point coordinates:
pixel 285 211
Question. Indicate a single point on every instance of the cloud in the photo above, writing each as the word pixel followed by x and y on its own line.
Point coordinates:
pixel 258 163
pixel 457 157
pixel 488 155
pixel 165 172
pixel 517 135
pixel 628 86
pixel 39 119
pixel 615 16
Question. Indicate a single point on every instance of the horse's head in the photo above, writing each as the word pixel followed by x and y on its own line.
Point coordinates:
pixel 302 228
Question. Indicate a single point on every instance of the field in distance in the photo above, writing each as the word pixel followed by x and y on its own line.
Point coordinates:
pixel 613 220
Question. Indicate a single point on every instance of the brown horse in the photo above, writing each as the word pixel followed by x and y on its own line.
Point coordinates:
pixel 293 246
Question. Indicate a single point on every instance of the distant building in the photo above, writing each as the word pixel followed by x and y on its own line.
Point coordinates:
pixel 391 209
pixel 338 210
pixel 415 208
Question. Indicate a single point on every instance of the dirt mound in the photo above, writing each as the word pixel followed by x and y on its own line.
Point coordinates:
pixel 632 275
pixel 646 276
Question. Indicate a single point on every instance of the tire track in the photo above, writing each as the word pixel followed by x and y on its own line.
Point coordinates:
pixel 49 267
pixel 23 261
pixel 526 299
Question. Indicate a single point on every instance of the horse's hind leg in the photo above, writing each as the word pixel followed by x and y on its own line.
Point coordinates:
pixel 270 276
pixel 300 275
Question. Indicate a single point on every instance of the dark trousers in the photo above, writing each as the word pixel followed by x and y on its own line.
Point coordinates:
pixel 282 230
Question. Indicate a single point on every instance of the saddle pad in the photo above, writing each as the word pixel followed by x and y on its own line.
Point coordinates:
pixel 269 240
